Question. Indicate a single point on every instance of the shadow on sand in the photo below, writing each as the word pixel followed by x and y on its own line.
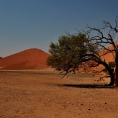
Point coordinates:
pixel 86 86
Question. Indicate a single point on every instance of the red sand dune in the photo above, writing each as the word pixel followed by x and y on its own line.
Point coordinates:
pixel 27 59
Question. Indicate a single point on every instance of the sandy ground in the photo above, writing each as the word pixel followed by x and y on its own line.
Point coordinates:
pixel 43 94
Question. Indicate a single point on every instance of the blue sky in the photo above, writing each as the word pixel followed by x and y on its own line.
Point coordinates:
pixel 28 24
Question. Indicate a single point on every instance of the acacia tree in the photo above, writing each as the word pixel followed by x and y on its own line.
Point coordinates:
pixel 76 51
pixel 72 51
pixel 101 40
pixel 66 55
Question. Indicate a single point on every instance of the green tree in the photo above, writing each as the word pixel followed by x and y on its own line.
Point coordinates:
pixel 66 55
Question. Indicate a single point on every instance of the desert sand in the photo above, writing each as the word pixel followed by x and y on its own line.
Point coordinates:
pixel 44 94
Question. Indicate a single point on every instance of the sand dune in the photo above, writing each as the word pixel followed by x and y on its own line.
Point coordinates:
pixel 34 59
pixel 27 59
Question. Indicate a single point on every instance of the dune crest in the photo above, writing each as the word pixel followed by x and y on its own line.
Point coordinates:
pixel 28 59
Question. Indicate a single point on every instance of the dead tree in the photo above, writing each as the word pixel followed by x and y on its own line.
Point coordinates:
pixel 103 41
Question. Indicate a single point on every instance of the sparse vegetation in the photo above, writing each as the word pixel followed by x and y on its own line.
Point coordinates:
pixel 72 51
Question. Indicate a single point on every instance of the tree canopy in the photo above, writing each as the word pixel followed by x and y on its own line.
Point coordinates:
pixel 66 55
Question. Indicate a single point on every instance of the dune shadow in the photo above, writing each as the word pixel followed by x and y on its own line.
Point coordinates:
pixel 86 86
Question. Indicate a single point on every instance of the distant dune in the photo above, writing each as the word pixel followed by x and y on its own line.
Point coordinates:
pixel 28 59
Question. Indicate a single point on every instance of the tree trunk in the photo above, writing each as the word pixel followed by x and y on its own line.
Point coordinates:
pixel 111 73
pixel 112 78
pixel 116 70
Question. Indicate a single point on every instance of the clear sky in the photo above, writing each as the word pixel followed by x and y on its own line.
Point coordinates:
pixel 28 24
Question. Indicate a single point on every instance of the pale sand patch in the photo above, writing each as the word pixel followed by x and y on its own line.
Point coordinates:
pixel 43 94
